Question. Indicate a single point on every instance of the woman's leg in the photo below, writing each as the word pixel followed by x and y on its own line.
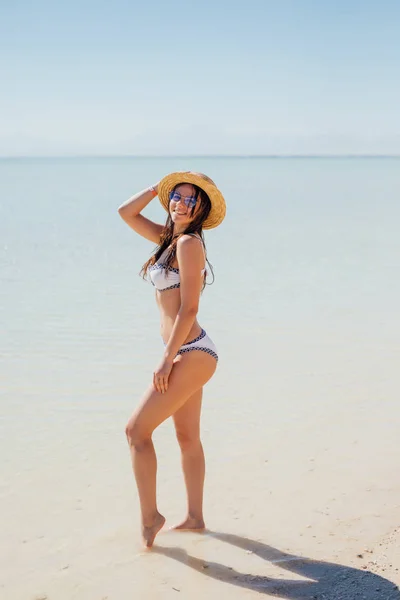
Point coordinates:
pixel 187 425
pixel 190 372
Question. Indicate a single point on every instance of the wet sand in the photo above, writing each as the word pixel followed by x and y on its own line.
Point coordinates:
pixel 301 500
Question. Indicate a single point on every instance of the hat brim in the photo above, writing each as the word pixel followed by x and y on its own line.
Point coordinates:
pixel 218 206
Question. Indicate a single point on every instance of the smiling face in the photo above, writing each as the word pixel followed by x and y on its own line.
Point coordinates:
pixel 183 205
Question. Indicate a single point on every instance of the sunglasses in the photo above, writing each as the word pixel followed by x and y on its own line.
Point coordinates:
pixel 190 201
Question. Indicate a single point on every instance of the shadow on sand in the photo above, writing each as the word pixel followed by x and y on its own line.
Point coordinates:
pixel 329 581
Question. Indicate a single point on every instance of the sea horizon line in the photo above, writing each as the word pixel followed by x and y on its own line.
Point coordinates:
pixel 197 156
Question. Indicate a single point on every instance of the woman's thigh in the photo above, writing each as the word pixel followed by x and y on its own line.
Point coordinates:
pixel 190 372
pixel 187 418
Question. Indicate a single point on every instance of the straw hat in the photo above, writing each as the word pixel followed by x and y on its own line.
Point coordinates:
pixel 218 207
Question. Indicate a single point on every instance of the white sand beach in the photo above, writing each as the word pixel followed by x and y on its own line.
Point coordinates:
pixel 302 492
pixel 300 424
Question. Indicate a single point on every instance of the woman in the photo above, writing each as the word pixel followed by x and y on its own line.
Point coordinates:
pixel 178 271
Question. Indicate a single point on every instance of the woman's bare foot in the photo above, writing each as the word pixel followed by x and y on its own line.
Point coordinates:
pixel 150 532
pixel 190 524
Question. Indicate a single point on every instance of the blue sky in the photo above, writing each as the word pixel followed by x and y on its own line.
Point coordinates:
pixel 211 77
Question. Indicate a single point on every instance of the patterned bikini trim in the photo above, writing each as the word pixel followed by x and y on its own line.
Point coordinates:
pixel 163 266
pixel 207 350
pixel 171 287
pixel 200 337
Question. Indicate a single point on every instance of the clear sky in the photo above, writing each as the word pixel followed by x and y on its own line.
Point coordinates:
pixel 188 77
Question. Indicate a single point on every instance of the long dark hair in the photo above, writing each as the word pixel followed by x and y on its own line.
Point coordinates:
pixel 169 240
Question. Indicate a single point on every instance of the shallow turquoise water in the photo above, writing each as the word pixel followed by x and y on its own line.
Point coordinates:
pixel 309 250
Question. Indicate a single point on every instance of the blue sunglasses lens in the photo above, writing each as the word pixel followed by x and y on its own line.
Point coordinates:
pixel 190 201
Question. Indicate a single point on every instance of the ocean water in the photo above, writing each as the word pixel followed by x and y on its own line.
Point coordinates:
pixel 303 310
pixel 307 244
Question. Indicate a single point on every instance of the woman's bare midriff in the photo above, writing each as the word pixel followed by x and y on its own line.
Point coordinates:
pixel 169 303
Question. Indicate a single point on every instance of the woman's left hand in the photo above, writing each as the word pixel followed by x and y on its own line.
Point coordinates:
pixel 161 375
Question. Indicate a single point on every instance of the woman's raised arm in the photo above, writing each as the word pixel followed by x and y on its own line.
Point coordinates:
pixel 130 212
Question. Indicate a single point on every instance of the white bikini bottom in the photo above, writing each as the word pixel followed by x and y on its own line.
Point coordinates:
pixel 202 343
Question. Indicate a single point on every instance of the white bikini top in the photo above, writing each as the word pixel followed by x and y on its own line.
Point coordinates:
pixel 167 278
